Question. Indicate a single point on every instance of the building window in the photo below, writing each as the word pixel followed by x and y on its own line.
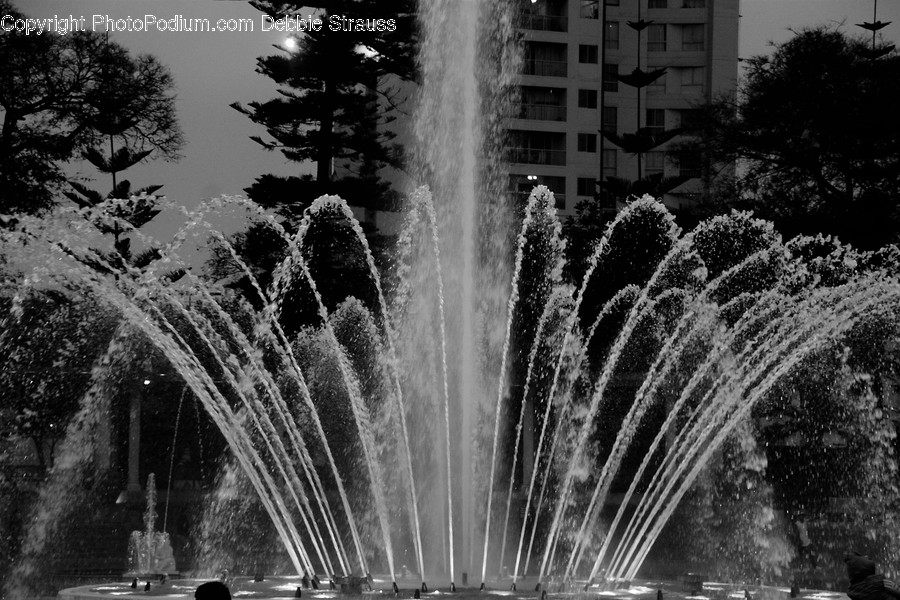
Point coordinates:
pixel 587 142
pixel 587 53
pixel 657 4
pixel 609 163
pixel 610 78
pixel 549 15
pixel 693 77
pixel 589 9
pixel 542 103
pixel 586 186
pixel 694 4
pixel 537 148
pixel 654 162
pixel 693 37
pixel 656 119
pixel 656 37
pixel 587 98
pixel 689 164
pixel 545 59
pixel 611 39
pixel 610 119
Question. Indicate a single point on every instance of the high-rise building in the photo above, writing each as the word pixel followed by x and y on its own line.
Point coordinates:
pixel 575 53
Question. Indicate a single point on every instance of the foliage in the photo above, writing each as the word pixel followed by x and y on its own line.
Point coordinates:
pixel 592 216
pixel 48 352
pixel 832 446
pixel 337 92
pixel 816 133
pixel 636 245
pixel 726 526
pixel 360 426
pixel 261 248
pixel 235 532
pixel 727 241
pixel 120 160
pixel 290 196
pixel 540 270
pixel 872 439
pixel 64 94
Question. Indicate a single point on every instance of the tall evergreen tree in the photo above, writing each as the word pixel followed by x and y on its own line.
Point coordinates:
pixel 338 87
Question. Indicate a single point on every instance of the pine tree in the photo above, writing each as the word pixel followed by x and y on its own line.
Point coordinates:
pixel 338 90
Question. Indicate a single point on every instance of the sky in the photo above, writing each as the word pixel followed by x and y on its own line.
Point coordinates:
pixel 213 70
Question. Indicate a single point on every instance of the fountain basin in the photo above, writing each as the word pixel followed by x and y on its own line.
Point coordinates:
pixel 285 587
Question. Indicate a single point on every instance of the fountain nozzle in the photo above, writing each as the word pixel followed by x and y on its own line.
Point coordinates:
pixel 482 587
pixel 537 588
pixel 416 594
pixel 298 593
pixel 513 587
pixel 424 587
pixel 452 587
pixel 396 589
pixel 544 595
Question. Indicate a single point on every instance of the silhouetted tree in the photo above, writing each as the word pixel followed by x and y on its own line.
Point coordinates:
pixel 817 134
pixel 338 90
pixel 64 94
pixel 48 353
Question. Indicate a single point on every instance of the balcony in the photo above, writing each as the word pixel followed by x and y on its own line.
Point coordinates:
pixel 537 156
pixel 544 22
pixel 545 68
pixel 540 112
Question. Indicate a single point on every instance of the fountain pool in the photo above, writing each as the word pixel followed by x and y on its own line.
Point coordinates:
pixel 285 587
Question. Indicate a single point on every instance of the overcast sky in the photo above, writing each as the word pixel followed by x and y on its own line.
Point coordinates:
pixel 212 70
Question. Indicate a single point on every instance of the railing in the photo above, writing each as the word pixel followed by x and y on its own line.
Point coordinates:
pixel 540 112
pixel 536 156
pixel 545 68
pixel 544 22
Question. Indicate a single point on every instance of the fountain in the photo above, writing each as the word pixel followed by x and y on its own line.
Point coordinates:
pixel 491 404
pixel 150 551
pixel 725 329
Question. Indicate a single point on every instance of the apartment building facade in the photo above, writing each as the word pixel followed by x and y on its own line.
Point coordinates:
pixel 575 51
